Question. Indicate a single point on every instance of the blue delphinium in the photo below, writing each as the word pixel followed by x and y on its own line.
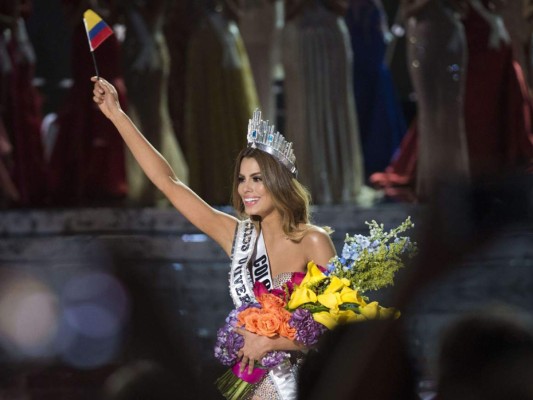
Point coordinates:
pixel 369 262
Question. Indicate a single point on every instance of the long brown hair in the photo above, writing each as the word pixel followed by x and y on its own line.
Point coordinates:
pixel 291 199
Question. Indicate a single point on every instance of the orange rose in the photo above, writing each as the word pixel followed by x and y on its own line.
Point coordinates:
pixel 249 319
pixel 269 301
pixel 287 331
pixel 268 323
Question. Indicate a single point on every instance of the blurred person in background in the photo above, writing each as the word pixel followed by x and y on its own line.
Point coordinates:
pixel 146 65
pixel 87 162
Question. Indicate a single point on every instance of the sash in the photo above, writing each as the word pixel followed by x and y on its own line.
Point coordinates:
pixel 240 281
pixel 260 265
pixel 284 380
pixel 249 263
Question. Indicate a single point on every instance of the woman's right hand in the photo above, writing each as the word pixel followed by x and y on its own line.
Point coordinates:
pixel 105 96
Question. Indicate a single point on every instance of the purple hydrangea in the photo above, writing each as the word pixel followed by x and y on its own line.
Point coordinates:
pixel 308 331
pixel 274 358
pixel 228 345
pixel 231 319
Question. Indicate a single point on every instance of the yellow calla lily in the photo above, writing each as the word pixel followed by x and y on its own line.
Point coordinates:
pixel 370 310
pixel 325 318
pixel 335 285
pixel 313 275
pixel 335 317
pixel 375 311
pixel 330 300
pixel 346 295
pixel 349 295
pixel 301 295
pixel 346 316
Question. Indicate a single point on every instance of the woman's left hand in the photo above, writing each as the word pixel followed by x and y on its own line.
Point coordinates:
pixel 254 349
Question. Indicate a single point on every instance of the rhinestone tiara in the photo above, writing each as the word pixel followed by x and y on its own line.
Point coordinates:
pixel 261 135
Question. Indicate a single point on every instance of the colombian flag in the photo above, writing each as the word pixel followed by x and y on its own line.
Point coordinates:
pixel 97 29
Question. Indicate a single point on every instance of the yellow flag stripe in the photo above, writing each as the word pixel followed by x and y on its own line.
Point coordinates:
pixel 91 19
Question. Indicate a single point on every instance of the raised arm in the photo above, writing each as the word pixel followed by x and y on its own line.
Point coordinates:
pixel 216 224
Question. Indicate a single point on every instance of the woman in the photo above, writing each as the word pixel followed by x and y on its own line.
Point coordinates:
pixel 220 96
pixel 381 120
pixel 495 109
pixel 87 163
pixel 260 23
pixel 277 234
pixel 21 108
pixel 146 65
pixel 320 106
pixel 438 55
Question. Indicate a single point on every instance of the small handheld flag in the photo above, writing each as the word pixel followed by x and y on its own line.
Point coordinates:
pixel 97 31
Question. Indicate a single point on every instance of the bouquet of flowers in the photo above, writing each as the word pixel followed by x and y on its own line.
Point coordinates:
pixel 310 304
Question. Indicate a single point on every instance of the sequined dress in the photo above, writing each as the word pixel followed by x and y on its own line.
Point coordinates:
pixel 260 24
pixel 496 110
pixel 146 70
pixel 221 96
pixel 320 117
pixel 437 56
pixel 266 390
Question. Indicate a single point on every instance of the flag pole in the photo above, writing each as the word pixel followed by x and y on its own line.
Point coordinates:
pixel 91 48
pixel 95 66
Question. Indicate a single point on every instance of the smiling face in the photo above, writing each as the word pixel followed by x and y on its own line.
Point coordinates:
pixel 254 194
pixel 263 187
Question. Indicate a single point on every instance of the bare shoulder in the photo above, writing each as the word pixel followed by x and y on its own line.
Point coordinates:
pixel 318 245
pixel 315 235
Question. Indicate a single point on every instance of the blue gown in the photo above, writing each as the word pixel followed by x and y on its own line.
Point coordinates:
pixel 381 121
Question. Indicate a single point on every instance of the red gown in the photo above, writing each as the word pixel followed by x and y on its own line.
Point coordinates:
pixel 497 105
pixel 22 120
pixel 87 164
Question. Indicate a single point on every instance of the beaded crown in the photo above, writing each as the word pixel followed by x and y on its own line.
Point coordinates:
pixel 261 135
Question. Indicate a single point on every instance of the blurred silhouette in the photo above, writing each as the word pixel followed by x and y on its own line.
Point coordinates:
pixel 487 355
pixel 146 64
pixel 320 113
pixel 335 370
pixel 20 107
pixel 50 36
pixel 8 191
pixel 87 163
pixel 437 57
pixel 381 121
pixel 260 23
pixel 520 26
pixel 220 97
pixel 497 111
pixel 181 19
